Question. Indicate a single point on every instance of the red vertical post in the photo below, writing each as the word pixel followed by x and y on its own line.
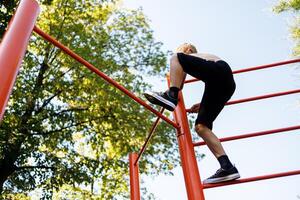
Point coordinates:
pixel 134 177
pixel 194 187
pixel 13 47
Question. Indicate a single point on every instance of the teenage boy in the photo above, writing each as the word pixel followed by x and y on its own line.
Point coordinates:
pixel 219 87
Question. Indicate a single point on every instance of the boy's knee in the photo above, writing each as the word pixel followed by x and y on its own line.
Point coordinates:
pixel 200 128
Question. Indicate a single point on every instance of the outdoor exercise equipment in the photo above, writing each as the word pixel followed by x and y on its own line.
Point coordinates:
pixel 12 50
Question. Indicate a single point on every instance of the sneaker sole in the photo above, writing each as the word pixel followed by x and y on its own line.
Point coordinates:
pixel 223 179
pixel 158 100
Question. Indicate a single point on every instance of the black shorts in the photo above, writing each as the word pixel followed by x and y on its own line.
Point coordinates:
pixel 219 85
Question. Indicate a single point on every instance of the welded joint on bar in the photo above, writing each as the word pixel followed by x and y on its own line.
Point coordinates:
pixel 180 134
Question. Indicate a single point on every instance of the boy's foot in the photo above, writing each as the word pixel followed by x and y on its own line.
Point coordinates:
pixel 162 98
pixel 223 175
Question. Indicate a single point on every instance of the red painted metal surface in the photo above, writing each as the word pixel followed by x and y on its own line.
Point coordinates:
pixel 259 97
pixel 102 75
pixel 13 47
pixel 263 97
pixel 134 177
pixel 151 133
pixel 249 135
pixel 256 68
pixel 256 178
pixel 187 154
pixel 276 64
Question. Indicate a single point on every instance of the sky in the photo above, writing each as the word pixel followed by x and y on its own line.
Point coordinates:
pixel 245 34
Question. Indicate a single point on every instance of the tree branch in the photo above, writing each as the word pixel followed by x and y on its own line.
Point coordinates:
pixel 47 101
pixel 33 167
pixel 61 129
pixel 57 114
pixel 31 100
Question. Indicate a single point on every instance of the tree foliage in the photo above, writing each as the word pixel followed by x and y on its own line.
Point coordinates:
pixel 7 8
pixel 66 131
pixel 293 6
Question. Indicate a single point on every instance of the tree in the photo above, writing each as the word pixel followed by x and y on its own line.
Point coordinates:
pixel 65 130
pixel 293 6
pixel 7 8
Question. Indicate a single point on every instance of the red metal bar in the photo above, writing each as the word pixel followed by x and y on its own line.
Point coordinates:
pixel 257 178
pixel 261 133
pixel 267 66
pixel 259 97
pixel 264 97
pixel 256 68
pixel 134 177
pixel 13 47
pixel 149 137
pixel 102 75
pixel 187 154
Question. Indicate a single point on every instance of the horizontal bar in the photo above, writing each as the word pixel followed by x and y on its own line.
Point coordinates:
pixel 261 133
pixel 102 75
pixel 263 97
pixel 267 66
pixel 251 179
pixel 256 68
pixel 259 97
pixel 149 137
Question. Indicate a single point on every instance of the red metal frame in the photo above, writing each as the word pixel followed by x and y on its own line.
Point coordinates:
pixel 263 97
pixel 134 177
pixel 190 169
pixel 256 178
pixel 249 135
pixel 12 50
pixel 13 47
pixel 260 97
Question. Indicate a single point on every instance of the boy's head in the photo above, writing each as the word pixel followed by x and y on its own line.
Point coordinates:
pixel 186 48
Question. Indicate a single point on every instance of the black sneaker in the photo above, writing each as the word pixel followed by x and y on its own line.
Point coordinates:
pixel 223 175
pixel 162 98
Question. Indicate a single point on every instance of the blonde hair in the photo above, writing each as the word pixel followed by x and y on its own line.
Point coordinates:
pixel 186 48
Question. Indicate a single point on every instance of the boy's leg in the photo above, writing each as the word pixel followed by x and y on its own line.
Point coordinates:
pixel 227 171
pixel 169 98
pixel 194 66
pixel 177 75
pixel 213 143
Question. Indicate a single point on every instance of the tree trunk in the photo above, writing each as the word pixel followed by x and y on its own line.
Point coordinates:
pixel 12 150
pixel 7 164
pixel 6 171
